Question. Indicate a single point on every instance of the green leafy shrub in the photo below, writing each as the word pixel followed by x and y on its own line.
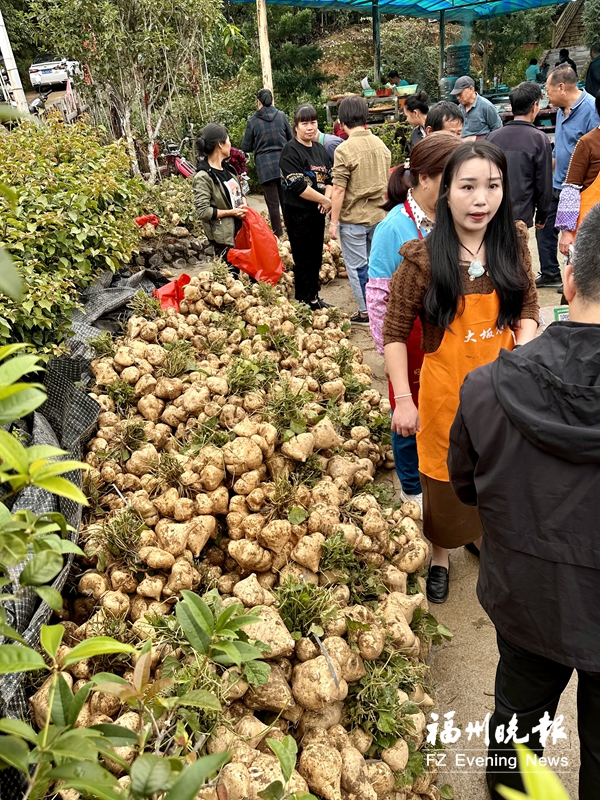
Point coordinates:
pixel 591 21
pixel 395 136
pixel 70 220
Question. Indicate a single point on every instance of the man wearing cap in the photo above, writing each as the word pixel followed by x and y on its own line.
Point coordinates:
pixel 481 116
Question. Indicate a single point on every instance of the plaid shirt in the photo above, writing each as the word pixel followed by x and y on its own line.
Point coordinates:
pixel 267 131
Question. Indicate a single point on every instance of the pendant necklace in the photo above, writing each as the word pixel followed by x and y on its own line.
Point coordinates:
pixel 476 269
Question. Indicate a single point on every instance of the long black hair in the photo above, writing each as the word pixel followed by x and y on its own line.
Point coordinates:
pixel 445 297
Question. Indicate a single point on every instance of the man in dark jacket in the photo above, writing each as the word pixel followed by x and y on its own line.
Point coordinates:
pixel 525 448
pixel 564 58
pixel 267 131
pixel 592 79
pixel 529 155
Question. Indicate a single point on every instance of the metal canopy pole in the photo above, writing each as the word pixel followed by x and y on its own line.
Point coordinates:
pixel 376 42
pixel 442 66
pixel 263 41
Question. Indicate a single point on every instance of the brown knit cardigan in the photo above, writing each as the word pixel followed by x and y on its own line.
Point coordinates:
pixel 411 281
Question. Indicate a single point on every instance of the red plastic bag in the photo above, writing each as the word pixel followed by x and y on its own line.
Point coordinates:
pixel 171 294
pixel 256 251
pixel 149 218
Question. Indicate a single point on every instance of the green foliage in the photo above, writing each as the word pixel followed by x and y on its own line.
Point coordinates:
pixel 395 136
pixel 217 634
pixel 285 343
pixel 304 607
pixel 168 471
pixel 539 780
pixel 139 55
pixel 519 61
pixel 426 626
pixel 591 21
pixel 122 394
pixel 121 533
pixel 374 703
pixel 144 305
pixel 503 35
pixel 286 752
pixel 102 345
pixel 294 57
pixel 364 581
pixel 410 46
pixel 179 359
pixel 309 473
pixel 207 433
pixel 303 314
pixel 235 103
pixel 71 220
pixel 245 375
pixel 284 410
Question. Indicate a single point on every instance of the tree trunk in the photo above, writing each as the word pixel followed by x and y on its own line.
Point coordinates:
pixel 152 171
pixel 130 143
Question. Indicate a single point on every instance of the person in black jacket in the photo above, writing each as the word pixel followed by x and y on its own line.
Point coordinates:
pixel 267 131
pixel 525 449
pixel 592 78
pixel 529 155
pixel 306 178
pixel 563 58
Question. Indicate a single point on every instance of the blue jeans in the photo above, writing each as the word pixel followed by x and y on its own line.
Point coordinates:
pixel 407 462
pixel 355 241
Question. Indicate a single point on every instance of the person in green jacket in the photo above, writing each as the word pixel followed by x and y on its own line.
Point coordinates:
pixel 218 197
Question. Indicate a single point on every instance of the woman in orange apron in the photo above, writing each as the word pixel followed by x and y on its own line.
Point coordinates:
pixel 581 189
pixel 471 284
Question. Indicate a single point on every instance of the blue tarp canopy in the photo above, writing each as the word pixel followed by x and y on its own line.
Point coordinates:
pixel 457 10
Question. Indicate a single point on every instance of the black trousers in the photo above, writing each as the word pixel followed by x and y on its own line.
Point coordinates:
pixel 529 685
pixel 274 198
pixel 306 229
pixel 547 242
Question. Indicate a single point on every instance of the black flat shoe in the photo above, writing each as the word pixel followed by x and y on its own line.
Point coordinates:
pixel 438 584
pixel 472 548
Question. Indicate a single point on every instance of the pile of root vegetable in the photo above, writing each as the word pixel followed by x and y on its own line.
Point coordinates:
pixel 235 457
pixel 332 265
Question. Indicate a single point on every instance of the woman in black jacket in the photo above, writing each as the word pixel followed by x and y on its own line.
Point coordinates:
pixel 306 178
pixel 267 132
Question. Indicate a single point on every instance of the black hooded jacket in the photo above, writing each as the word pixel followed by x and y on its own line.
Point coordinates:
pixel 525 448
pixel 267 132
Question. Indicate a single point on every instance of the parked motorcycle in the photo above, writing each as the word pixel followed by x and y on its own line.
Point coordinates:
pixel 37 107
pixel 176 163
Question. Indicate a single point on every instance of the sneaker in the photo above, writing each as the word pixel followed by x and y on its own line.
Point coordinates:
pixel 418 498
pixel 359 319
pixel 319 303
pixel 548 283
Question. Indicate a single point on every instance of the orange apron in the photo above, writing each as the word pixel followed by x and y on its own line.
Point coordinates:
pixel 589 198
pixel 474 340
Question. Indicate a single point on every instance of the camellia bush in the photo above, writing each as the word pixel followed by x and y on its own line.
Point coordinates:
pixel 66 220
